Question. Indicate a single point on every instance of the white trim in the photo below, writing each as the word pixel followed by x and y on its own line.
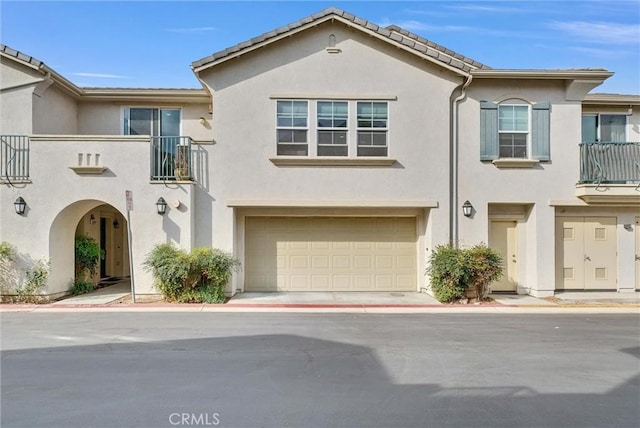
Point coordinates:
pixel 515 163
pixel 332 161
pixel 253 203
pixel 333 97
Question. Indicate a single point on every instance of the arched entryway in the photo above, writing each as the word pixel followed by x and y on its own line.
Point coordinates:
pixel 100 221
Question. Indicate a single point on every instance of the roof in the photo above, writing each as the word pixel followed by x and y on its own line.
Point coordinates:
pixel 36 63
pixel 92 93
pixel 612 99
pixel 392 34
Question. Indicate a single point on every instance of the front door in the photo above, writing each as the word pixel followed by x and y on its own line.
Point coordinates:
pixel 586 253
pixel 103 247
pixel 637 253
pixel 502 238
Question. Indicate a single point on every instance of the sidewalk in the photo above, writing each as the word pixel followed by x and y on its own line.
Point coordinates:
pixel 117 298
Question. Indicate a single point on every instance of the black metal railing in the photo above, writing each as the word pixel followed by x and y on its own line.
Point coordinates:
pixel 14 157
pixel 605 162
pixel 171 158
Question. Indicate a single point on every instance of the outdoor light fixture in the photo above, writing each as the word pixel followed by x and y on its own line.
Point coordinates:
pixel 116 224
pixel 467 209
pixel 92 219
pixel 20 205
pixel 161 205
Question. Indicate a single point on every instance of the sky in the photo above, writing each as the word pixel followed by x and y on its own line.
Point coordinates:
pixel 153 43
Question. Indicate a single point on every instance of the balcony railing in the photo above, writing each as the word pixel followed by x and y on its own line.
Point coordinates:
pixel 14 157
pixel 171 158
pixel 615 163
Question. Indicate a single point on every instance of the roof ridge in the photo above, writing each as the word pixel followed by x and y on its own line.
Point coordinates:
pixel 393 33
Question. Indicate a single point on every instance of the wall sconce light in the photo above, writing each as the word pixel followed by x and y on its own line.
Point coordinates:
pixel 20 205
pixel 116 224
pixel 92 219
pixel 628 227
pixel 467 209
pixel 161 205
pixel 203 121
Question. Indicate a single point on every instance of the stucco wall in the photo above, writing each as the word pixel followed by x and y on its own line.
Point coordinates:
pixel 59 198
pixel 55 112
pixel 244 127
pixel 105 118
pixel 17 83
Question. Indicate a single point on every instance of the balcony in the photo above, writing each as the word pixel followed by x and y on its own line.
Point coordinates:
pixel 609 173
pixel 14 158
pixel 169 157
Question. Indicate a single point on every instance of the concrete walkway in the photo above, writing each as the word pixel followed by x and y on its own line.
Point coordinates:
pixel 333 298
pixel 122 289
pixel 102 296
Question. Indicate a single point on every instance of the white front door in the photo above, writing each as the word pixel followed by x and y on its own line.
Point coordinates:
pixel 637 253
pixel 586 256
pixel 502 238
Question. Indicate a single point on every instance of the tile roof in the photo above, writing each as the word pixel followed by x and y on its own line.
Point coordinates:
pixel 19 55
pixel 393 33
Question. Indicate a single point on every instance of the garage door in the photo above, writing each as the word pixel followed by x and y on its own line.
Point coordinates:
pixel 586 253
pixel 330 254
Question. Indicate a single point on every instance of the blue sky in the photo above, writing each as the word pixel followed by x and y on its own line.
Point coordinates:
pixel 152 44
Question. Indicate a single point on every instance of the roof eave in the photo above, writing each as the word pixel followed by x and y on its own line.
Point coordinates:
pixel 611 99
pixel 599 74
pixel 141 94
pixel 201 65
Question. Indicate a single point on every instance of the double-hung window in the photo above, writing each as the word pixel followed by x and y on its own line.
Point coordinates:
pixel 292 128
pixel 513 130
pixel 332 128
pixel 333 118
pixel 372 128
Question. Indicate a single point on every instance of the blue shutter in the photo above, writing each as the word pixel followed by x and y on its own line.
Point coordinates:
pixel 540 132
pixel 488 131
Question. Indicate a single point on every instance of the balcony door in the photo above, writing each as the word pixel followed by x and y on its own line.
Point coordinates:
pixel 607 128
pixel 163 125
pixel 156 122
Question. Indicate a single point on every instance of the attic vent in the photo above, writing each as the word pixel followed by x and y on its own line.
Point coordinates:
pixel 332 45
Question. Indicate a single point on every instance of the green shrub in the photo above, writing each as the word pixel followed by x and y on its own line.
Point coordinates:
pixel 88 256
pixel 35 279
pixel 81 287
pixel 452 271
pixel 22 279
pixel 196 277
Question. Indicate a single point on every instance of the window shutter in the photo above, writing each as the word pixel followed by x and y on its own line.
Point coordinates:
pixel 488 131
pixel 540 133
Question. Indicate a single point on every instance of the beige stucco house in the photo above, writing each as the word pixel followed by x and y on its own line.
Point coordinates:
pixel 329 155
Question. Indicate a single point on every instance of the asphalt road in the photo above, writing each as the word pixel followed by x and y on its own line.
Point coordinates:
pixel 319 370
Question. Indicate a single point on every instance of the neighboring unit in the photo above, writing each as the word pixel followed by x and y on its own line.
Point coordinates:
pixel 329 155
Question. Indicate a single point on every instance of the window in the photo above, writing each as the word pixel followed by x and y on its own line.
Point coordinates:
pixel 333 117
pixel 332 128
pixel 372 128
pixel 513 130
pixel 292 125
pixel 157 122
pixel 167 146
pixel 604 128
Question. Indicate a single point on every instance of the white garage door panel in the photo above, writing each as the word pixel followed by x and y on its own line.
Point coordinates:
pixel 330 254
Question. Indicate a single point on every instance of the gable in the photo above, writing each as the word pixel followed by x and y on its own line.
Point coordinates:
pixel 392 35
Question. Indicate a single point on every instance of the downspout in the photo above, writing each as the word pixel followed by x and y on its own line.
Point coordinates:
pixel 453 156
